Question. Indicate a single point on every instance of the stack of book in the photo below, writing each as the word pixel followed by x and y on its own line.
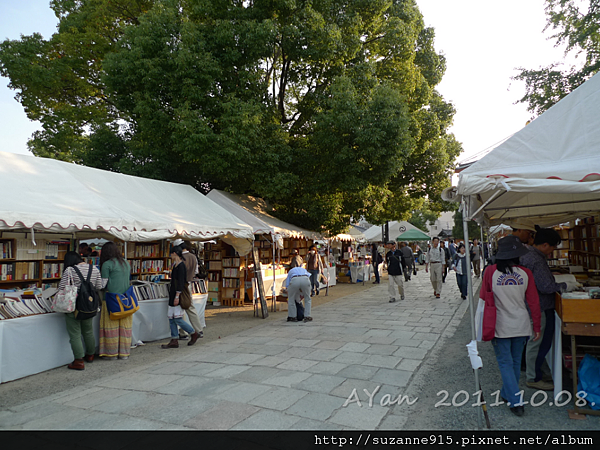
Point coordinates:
pixel 23 303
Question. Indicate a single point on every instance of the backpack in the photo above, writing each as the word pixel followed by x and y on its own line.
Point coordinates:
pixel 88 299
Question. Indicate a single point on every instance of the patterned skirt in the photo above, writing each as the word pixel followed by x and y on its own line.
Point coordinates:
pixel 115 335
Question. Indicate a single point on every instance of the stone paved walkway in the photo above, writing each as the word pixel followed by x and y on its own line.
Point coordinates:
pixel 274 376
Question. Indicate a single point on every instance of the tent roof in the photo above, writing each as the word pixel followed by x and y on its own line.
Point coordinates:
pixel 47 194
pixel 413 235
pixel 550 168
pixel 253 211
pixel 373 234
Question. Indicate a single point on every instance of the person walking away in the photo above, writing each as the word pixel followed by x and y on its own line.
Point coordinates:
pixel 434 258
pixel 459 264
pixel 297 260
pixel 175 312
pixel 517 305
pixel 298 284
pixel 314 265
pixel 393 259
pixel 452 248
pixel 191 268
pixel 78 328
pixel 545 242
pixel 408 259
pixel 476 257
pixel 377 260
pixel 115 335
pixel 446 262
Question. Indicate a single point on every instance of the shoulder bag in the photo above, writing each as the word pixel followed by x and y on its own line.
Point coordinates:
pixel 121 305
pixel 64 300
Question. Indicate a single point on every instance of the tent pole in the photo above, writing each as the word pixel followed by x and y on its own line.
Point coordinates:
pixel 470 300
pixel 274 302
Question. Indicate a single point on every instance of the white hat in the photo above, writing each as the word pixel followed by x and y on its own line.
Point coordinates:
pixel 522 224
pixel 178 242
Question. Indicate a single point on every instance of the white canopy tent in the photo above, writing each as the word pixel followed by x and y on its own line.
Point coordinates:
pixel 40 194
pixel 373 234
pixel 547 173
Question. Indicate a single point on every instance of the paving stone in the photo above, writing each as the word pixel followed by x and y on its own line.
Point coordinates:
pixel 400 334
pixel 96 398
pixel 30 414
pixel 227 371
pixel 241 392
pixel 407 343
pixel 411 352
pixel 426 336
pixel 315 406
pixel 171 408
pixel 386 361
pixel 270 361
pixel 329 345
pixel 359 417
pixel 409 365
pixel 315 425
pixel 361 372
pixel 123 403
pixel 201 369
pixel 350 358
pixel 268 420
pixel 323 355
pixel 327 368
pixel 385 340
pixel 354 347
pixel 345 389
pixel 203 390
pixel 141 382
pixel 379 349
pixel 286 378
pixel 171 368
pixel 427 344
pixel 298 352
pixel 243 359
pixel 320 383
pixel 222 416
pixel 255 374
pixel 304 342
pixel 57 421
pixel 278 398
pixel 394 377
pixel 300 365
pixel 74 394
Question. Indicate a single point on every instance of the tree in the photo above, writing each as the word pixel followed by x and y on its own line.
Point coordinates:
pixel 576 25
pixel 326 109
pixel 458 229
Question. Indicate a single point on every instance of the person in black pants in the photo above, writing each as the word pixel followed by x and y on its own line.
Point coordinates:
pixel 377 259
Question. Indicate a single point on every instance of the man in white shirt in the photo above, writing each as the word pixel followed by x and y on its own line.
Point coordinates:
pixel 296 283
pixel 434 258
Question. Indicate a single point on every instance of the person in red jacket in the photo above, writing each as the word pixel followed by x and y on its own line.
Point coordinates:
pixel 514 290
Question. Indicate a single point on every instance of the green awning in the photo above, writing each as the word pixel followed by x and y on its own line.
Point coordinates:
pixel 413 235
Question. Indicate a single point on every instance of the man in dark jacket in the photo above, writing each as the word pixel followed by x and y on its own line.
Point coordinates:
pixel 376 260
pixel 545 242
pixel 393 260
pixel 408 260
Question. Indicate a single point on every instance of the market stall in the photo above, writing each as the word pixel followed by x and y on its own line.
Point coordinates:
pixel 56 203
pixel 548 173
pixel 374 234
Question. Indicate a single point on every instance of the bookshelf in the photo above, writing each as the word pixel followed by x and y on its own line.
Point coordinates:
pixel 213 257
pixel 23 264
pixel 560 256
pixel 584 244
pixel 149 261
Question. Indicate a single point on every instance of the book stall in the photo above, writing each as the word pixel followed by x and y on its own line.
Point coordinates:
pixel 136 213
pixel 549 175
pixel 275 242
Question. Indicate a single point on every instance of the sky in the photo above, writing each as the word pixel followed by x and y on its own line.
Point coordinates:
pixel 483 42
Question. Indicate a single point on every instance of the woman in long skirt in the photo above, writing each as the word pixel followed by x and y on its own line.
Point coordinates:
pixel 115 335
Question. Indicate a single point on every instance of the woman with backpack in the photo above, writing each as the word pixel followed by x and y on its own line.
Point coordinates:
pixel 115 335
pixel 75 327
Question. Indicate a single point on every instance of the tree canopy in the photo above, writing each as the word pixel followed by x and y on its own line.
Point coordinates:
pixel 327 109
pixel 576 24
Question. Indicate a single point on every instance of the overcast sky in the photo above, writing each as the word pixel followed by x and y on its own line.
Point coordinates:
pixel 483 42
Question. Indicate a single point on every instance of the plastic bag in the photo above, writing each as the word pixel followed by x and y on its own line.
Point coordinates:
pixel 588 375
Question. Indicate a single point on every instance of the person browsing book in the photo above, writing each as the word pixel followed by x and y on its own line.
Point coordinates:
pixel 115 335
pixel 80 328
pixel 175 312
pixel 298 283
